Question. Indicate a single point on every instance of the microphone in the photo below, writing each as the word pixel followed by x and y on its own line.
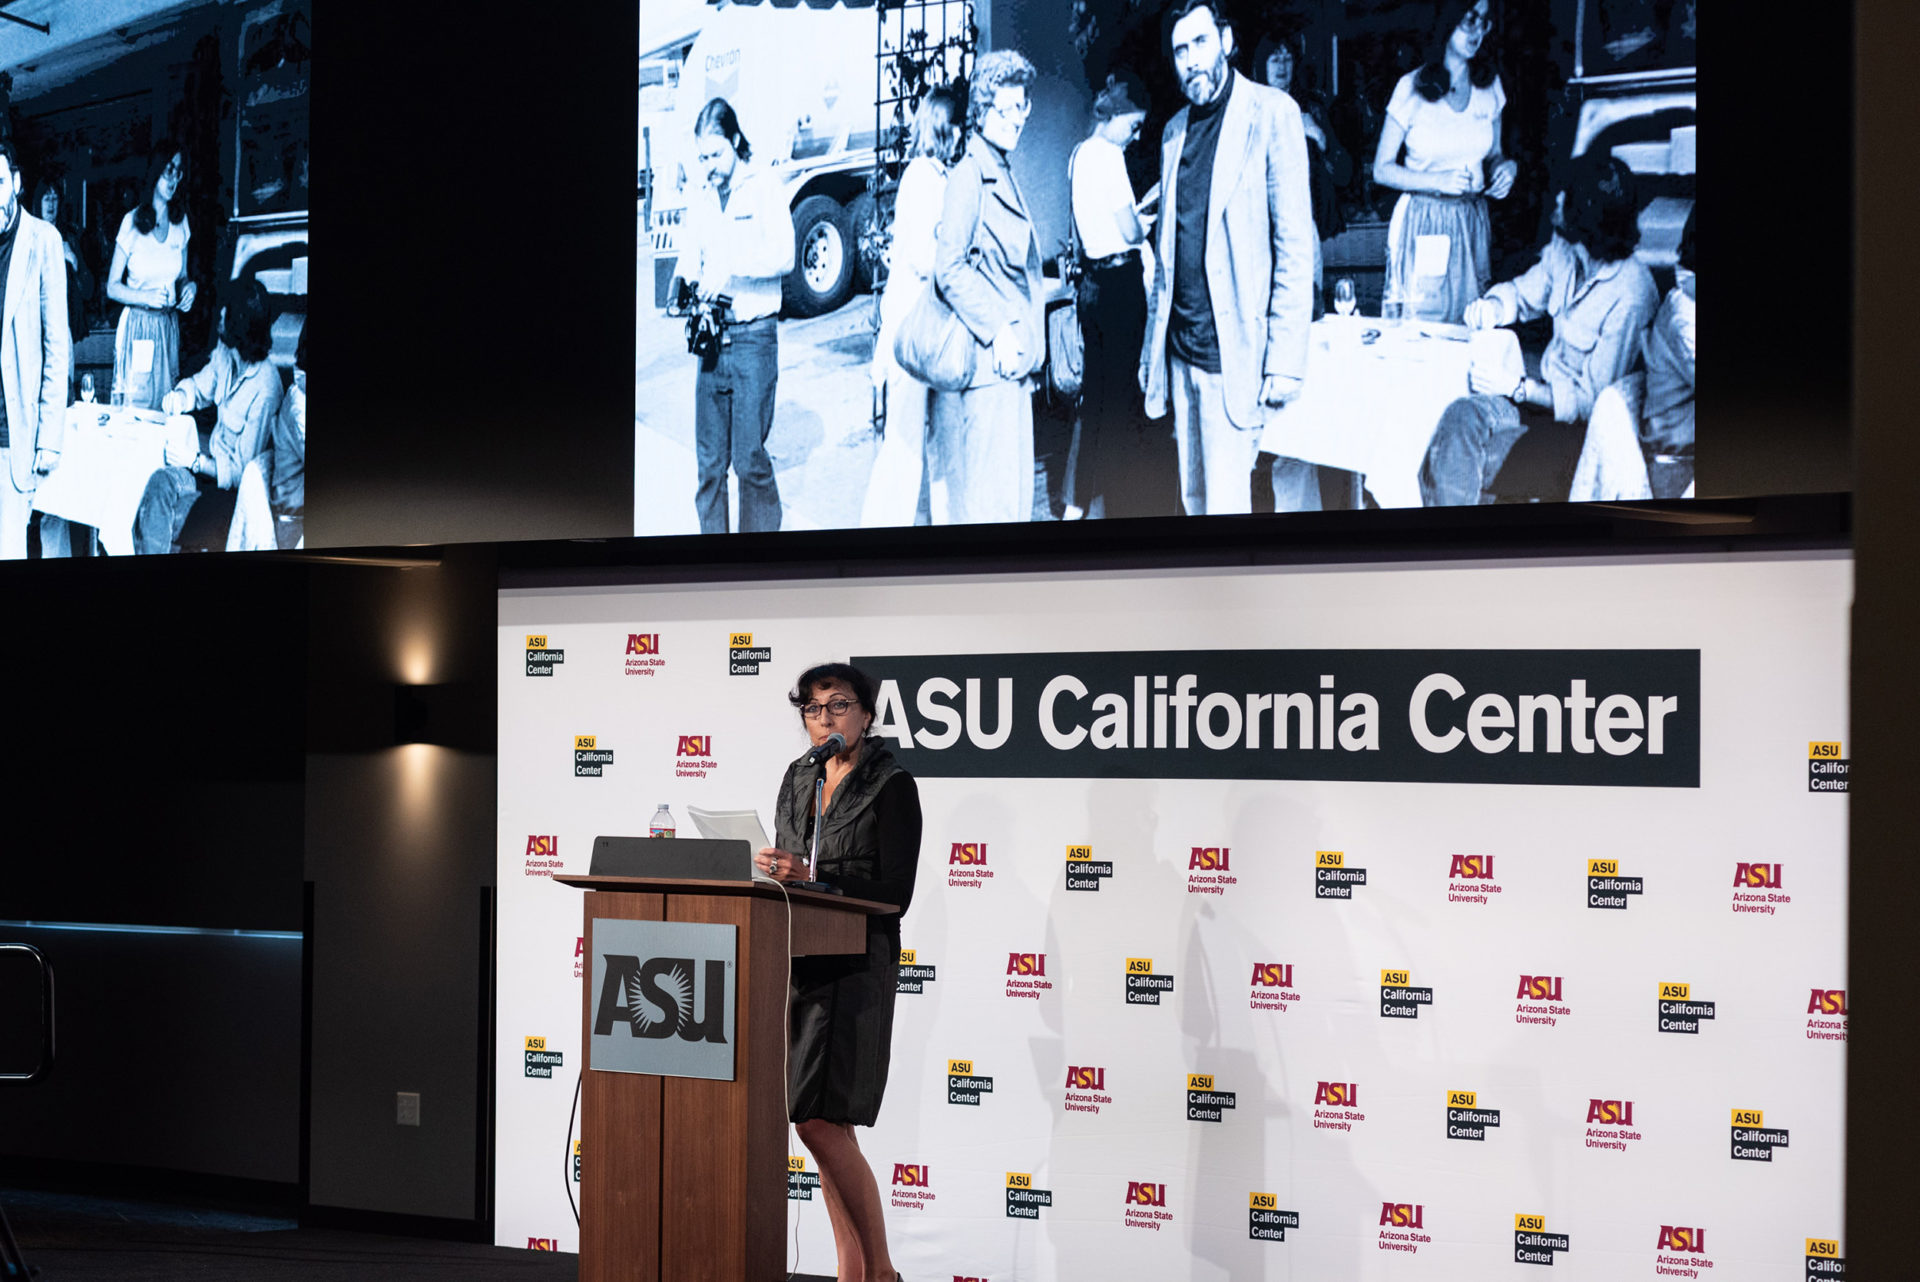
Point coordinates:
pixel 835 745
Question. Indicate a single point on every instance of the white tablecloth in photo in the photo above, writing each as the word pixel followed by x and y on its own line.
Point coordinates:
pixel 1372 407
pixel 105 460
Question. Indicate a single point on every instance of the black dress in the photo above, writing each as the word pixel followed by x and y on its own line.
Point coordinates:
pixel 840 1025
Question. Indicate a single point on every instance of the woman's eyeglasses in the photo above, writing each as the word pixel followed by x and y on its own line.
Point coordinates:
pixel 838 707
pixel 1477 20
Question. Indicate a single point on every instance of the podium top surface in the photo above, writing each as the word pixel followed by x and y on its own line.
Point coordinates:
pixel 763 889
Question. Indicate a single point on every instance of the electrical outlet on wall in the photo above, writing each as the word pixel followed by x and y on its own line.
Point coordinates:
pixel 406 1108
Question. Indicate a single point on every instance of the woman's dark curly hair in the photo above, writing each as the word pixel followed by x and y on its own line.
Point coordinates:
pixel 822 673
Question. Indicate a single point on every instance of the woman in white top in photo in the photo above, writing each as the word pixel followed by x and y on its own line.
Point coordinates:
pixel 1117 470
pixel 897 491
pixel 1440 147
pixel 149 279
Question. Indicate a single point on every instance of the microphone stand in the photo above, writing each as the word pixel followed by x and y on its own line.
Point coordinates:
pixel 819 804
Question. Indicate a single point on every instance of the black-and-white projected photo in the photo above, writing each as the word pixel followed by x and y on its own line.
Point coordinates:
pixel 153 249
pixel 947 261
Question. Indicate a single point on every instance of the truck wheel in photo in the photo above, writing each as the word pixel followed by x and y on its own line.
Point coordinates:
pixel 825 254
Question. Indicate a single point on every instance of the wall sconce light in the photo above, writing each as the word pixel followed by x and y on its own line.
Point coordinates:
pixel 455 714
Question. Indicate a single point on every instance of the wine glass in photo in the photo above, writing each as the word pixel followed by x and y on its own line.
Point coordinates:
pixel 1343 297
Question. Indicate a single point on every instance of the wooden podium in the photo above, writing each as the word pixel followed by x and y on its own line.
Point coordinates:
pixel 685 1178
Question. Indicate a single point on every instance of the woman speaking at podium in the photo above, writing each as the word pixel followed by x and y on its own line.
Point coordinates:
pixel 841 1007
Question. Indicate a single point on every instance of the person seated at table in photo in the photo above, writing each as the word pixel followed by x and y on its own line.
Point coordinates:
pixel 1279 62
pixel 897 489
pixel 270 506
pixel 840 1008
pixel 1125 465
pixel 188 504
pixel 1521 442
pixel 1440 147
pixel 35 352
pixel 148 278
pixel 1226 346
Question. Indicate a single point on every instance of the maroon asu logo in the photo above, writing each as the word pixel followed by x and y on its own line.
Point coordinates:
pixel 695 745
pixel 1465 866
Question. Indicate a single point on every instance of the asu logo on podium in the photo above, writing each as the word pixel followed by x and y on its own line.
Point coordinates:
pixel 912 1189
pixel 967 866
pixel 1146 1205
pixel 665 998
pixel 1266 1222
pixel 1023 1199
pixel 590 760
pixel 642 657
pixel 541 657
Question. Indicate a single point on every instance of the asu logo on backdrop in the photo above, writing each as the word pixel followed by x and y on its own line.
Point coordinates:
pixel 1607 888
pixel 1336 1106
pixel 1143 986
pixel 1023 1199
pixel 1679 1238
pixel 1679 1012
pixel 744 657
pixel 1688 1247
pixel 1824 1259
pixel 693 756
pixel 1827 1015
pixel 912 1188
pixel 1470 880
pixel 1826 767
pixel 590 760
pixel 543 1244
pixel 800 1181
pixel 1399 999
pixel 543 855
pixel 1271 987
pixel 1210 870
pixel 1541 1000
pixel 642 657
pixel 964 1084
pixel 1756 889
pixel 1146 1205
pixel 541 657
pixel 967 866
pixel 1532 1244
pixel 1332 879
pixel 1205 1101
pixel 1400 1225
pixel 1086 1088
pixel 914 974
pixel 1466 1120
pixel 1753 1139
pixel 1084 872
pixel 1026 975
pixel 1266 1222
pixel 540 1061
pixel 1610 1125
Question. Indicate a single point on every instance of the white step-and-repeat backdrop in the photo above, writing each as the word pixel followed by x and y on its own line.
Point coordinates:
pixel 1444 922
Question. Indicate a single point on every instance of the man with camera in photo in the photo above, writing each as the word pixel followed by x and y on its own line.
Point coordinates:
pixel 739 247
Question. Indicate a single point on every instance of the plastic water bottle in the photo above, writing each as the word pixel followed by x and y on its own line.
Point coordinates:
pixel 661 825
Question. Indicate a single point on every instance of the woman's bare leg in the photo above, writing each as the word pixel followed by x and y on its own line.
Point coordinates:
pixel 847 1179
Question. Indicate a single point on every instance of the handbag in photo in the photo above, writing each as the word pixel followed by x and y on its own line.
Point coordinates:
pixel 933 346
